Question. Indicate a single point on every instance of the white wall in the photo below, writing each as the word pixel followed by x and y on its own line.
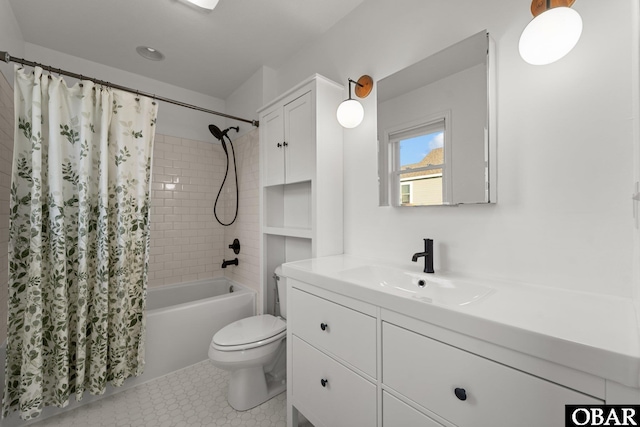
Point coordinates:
pixel 11 39
pixel 172 120
pixel 565 144
pixel 245 101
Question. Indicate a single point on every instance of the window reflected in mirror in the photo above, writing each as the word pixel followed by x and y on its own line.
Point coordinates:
pixel 419 156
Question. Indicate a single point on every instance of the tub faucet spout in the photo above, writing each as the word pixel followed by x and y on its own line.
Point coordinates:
pixel 225 263
pixel 427 254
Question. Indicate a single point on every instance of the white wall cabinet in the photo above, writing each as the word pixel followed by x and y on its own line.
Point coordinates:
pixel 352 363
pixel 301 165
pixel 289 141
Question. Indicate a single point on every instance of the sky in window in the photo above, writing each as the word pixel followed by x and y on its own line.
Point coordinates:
pixel 413 150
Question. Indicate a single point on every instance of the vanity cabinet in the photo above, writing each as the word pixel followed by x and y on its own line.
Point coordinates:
pixel 353 363
pixel 301 170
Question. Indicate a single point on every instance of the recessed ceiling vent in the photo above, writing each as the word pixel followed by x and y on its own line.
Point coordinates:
pixel 150 53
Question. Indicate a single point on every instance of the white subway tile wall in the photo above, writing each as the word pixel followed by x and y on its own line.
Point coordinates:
pixel 246 228
pixel 6 158
pixel 187 243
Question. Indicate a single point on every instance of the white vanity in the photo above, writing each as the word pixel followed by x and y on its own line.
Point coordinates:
pixel 375 345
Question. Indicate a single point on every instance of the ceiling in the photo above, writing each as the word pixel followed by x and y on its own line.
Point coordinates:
pixel 208 52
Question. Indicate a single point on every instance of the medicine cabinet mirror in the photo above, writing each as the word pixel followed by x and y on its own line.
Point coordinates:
pixel 436 130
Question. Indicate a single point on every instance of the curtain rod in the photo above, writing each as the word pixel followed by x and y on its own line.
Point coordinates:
pixel 4 56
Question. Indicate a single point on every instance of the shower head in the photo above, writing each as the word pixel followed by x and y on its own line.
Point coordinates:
pixel 219 134
pixel 215 130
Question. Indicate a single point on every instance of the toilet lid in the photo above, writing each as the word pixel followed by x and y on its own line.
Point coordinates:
pixel 249 330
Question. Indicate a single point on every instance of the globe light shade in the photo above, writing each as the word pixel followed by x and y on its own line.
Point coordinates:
pixel 204 4
pixel 350 113
pixel 550 36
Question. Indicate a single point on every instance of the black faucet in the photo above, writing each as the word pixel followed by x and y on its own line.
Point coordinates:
pixel 427 254
pixel 232 262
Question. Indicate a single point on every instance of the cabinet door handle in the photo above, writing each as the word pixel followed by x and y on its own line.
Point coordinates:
pixel 324 382
pixel 278 145
pixel 461 393
pixel 285 144
pixel 323 326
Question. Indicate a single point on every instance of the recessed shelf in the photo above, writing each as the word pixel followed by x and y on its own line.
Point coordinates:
pixel 304 233
pixel 288 205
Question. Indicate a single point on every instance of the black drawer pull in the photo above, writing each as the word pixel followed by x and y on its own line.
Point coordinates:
pixel 279 145
pixel 324 382
pixel 461 393
pixel 323 326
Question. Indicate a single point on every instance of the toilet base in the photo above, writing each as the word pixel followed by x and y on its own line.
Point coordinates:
pixel 251 387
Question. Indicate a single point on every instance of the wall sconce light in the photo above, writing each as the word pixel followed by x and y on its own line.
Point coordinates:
pixel 350 112
pixel 553 32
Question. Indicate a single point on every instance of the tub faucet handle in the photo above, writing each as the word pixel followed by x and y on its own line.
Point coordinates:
pixel 235 246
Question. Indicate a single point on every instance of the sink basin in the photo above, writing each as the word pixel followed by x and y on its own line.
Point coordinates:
pixel 428 288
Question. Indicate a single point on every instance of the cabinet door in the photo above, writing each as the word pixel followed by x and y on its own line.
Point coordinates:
pixel 273 138
pixel 299 138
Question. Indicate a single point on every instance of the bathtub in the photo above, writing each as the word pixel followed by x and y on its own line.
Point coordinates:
pixel 181 320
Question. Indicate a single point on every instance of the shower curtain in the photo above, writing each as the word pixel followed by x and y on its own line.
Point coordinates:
pixel 78 240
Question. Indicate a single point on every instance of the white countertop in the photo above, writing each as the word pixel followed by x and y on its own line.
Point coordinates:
pixel 597 334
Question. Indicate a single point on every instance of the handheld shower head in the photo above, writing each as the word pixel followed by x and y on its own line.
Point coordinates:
pixel 219 134
pixel 215 131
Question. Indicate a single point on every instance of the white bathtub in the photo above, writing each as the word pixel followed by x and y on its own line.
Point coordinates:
pixel 181 320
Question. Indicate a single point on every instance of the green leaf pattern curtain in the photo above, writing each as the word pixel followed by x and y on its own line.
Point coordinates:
pixel 78 240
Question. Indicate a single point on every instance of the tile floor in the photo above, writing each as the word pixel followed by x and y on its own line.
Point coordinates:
pixel 193 397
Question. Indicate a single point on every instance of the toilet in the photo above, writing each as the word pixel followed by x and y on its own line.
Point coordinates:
pixel 253 349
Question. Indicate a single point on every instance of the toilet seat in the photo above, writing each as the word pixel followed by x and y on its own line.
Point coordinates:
pixel 250 332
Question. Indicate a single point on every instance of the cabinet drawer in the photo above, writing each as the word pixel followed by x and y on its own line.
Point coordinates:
pixel 346 399
pixel 398 414
pixel 429 372
pixel 341 331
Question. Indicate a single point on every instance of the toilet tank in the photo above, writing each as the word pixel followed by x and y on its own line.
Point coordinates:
pixel 281 283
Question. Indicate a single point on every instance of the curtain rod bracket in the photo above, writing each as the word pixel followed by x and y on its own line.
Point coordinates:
pixel 4 56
